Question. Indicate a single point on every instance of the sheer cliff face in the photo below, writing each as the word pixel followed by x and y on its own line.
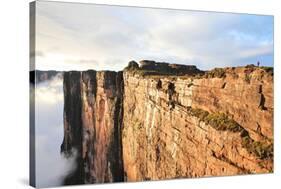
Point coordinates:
pixel 144 124
pixel 197 126
pixel 73 124
pixel 92 128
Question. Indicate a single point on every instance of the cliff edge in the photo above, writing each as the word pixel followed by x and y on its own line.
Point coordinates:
pixel 158 121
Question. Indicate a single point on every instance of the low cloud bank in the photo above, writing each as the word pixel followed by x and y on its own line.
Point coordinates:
pixel 51 166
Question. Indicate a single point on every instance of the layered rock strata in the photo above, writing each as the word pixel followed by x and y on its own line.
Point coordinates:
pixel 161 121
pixel 214 124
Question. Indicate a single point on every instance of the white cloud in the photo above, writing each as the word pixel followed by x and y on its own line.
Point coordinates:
pixel 51 166
pixel 49 93
pixel 107 37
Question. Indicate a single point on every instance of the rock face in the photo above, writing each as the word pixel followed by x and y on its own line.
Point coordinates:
pixel 148 124
pixel 219 123
pixel 92 125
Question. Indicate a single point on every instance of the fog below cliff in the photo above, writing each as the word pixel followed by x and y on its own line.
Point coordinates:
pixel 51 166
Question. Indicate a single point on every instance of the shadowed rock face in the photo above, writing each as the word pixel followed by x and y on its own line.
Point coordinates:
pixel 131 126
pixel 72 142
pixel 92 125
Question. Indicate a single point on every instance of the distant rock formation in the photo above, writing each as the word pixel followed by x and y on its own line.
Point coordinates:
pixel 40 76
pixel 169 69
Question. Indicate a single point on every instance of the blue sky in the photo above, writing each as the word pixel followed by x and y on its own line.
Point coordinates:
pixel 72 36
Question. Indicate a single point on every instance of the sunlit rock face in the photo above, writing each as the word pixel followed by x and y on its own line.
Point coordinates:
pixel 93 118
pixel 162 138
pixel 146 123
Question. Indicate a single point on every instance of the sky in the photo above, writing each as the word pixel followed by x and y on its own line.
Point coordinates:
pixel 73 36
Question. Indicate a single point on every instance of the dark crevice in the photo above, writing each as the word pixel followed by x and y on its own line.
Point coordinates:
pixel 115 156
pixel 159 85
pixel 73 131
pixel 171 91
pixel 227 160
pixel 262 100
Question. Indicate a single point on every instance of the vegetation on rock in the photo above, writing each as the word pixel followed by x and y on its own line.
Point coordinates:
pixel 267 69
pixel 221 122
pixel 217 72
pixel 263 150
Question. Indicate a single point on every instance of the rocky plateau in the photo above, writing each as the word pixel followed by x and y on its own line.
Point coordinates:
pixel 156 121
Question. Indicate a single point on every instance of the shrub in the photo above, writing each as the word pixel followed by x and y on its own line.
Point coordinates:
pixel 220 121
pixel 267 69
pixel 217 72
pixel 247 78
pixel 250 66
pixel 261 149
pixel 199 76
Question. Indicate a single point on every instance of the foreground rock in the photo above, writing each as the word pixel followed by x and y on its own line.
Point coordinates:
pixel 208 124
pixel 159 121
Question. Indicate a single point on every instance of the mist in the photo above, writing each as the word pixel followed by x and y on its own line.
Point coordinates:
pixel 51 166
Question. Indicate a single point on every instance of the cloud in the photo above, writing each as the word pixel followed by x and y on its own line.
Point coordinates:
pixel 49 93
pixel 111 36
pixel 210 39
pixel 51 166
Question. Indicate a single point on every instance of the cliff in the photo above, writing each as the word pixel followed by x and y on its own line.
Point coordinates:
pixel 159 121
pixel 211 124
pixel 92 125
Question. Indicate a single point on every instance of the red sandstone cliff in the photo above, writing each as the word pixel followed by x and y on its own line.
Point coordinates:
pixel 213 124
pixel 160 121
pixel 92 125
